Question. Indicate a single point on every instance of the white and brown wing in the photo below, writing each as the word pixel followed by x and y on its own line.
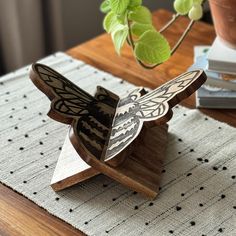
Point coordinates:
pixel 90 117
pixel 155 105
pixel 158 103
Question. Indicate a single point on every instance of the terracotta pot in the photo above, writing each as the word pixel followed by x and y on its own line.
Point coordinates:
pixel 224 17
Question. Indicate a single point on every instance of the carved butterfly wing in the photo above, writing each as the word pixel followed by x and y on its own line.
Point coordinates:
pixel 68 100
pixel 157 104
pixel 72 105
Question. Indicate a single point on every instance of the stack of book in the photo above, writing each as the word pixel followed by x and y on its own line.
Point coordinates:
pixel 219 63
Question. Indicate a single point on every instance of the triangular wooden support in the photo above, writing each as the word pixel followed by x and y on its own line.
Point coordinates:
pixel 70 168
pixel 120 137
pixel 140 171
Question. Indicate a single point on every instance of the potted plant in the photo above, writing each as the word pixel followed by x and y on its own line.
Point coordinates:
pixel 129 21
pixel 224 17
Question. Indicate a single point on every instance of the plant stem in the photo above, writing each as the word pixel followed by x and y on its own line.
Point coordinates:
pixel 168 24
pixel 182 37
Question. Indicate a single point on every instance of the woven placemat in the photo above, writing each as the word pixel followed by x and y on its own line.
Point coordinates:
pixel 197 195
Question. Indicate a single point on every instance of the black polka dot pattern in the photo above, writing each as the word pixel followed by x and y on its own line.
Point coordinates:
pixel 178 208
pixel 189 163
pixel 222 196
pixel 192 223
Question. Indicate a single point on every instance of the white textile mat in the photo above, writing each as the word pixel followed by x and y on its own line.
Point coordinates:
pixel 197 196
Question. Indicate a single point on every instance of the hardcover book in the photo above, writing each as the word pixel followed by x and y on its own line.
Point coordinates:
pixel 221 58
pixel 217 92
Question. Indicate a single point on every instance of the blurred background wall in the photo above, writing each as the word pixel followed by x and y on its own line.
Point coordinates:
pixel 31 29
pixel 82 19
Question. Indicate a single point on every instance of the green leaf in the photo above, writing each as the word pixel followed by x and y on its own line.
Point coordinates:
pixel 141 15
pixel 121 18
pixel 110 21
pixel 134 3
pixel 152 48
pixel 119 36
pixel 183 6
pixel 105 6
pixel 119 6
pixel 138 29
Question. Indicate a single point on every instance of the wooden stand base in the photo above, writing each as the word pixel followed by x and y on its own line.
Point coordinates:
pixel 70 168
pixel 140 170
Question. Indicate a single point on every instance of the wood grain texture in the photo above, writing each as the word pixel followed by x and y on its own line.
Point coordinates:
pixel 100 53
pixel 20 217
pixel 138 167
pixel 104 125
pixel 70 168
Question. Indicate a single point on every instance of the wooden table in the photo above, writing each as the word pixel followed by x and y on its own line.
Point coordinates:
pixel 19 216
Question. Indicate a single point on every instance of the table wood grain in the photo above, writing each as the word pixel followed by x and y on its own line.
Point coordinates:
pixel 20 216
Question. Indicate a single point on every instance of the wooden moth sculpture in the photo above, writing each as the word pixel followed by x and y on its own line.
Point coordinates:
pixel 123 138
